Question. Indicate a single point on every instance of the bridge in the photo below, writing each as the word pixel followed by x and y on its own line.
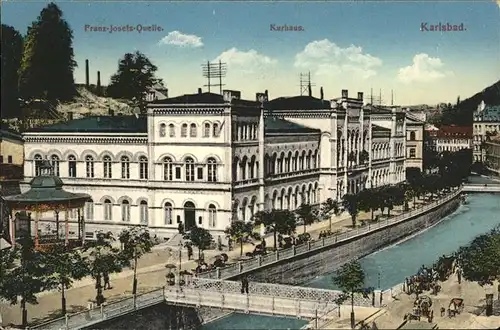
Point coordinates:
pixel 263 298
pixel 482 188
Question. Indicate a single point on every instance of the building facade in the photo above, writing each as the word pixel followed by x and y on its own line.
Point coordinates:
pixel 453 138
pixel 486 123
pixel 206 159
pixel 11 148
pixel 414 140
pixel 492 158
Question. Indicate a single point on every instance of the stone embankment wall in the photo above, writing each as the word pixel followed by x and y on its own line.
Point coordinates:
pixel 306 267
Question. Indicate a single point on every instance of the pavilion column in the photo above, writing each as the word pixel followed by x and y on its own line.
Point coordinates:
pixel 66 215
pixel 12 227
pixel 83 226
pixel 37 218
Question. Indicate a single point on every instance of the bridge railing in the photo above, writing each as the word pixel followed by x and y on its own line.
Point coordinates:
pixel 259 261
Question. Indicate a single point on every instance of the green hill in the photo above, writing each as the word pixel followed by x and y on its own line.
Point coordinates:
pixel 462 114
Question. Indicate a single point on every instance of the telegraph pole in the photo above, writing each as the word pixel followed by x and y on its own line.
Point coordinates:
pixel 305 83
pixel 214 71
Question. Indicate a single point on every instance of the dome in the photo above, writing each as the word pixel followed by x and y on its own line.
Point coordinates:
pixel 51 181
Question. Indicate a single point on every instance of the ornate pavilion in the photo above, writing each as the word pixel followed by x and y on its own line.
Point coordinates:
pixel 46 194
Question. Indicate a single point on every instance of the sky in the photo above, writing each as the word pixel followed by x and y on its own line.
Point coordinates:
pixel 359 46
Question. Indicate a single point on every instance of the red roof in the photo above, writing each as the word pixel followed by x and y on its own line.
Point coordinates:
pixel 455 132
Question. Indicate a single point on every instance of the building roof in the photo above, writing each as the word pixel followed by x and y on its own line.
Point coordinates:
pixel 10 134
pixel 377 128
pixel 303 102
pixel 98 124
pixel 489 113
pixel 455 132
pixel 202 98
pixel 278 125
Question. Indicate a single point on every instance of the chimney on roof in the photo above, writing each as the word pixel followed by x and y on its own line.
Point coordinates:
pixel 345 94
pixel 86 73
pixel 267 95
pixel 321 93
pixel 199 91
pixel 309 89
pixel 360 96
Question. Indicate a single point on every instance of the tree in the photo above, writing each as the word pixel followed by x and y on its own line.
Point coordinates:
pixel 42 76
pixel 135 76
pixel 350 278
pixel 305 212
pixel 330 207
pixel 351 204
pixel 101 258
pixel 136 242
pixel 26 278
pixel 11 53
pixel 278 221
pixel 201 238
pixel 241 232
pixel 63 266
pixel 480 260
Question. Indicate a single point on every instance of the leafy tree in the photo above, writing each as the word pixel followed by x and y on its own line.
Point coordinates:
pixel 350 278
pixel 278 221
pixel 42 76
pixel 11 53
pixel 351 204
pixel 201 238
pixel 241 232
pixel 135 75
pixel 26 278
pixel 63 266
pixel 330 207
pixel 480 260
pixel 136 242
pixel 102 258
pixel 305 212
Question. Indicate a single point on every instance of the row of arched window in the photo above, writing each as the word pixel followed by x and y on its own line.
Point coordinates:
pixel 291 162
pixel 188 209
pixel 209 130
pixel 189 170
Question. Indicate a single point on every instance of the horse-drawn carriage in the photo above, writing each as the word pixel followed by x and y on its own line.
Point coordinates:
pixel 421 308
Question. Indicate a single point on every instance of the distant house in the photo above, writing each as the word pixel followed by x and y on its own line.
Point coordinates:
pixel 157 92
pixel 486 122
pixel 11 147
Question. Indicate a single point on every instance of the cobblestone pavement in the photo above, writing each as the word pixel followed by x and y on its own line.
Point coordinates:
pixel 151 274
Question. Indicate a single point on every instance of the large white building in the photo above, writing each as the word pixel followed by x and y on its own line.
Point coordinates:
pixel 486 122
pixel 205 159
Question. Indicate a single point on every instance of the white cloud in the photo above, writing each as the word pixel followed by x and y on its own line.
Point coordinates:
pixel 326 58
pixel 424 69
pixel 179 39
pixel 246 61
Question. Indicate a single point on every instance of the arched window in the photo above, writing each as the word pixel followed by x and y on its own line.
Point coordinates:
pixel 125 211
pixel 206 130
pixel 171 130
pixel 107 164
pixel 167 209
pixel 189 162
pixel 143 168
pixel 143 210
pixel 108 208
pixel 212 215
pixel 72 166
pixel 184 130
pixel 167 169
pixel 38 163
pixel 216 130
pixel 54 160
pixel 125 167
pixel 89 210
pixel 212 170
pixel 89 166
pixel 163 130
pixel 412 136
pixel 192 130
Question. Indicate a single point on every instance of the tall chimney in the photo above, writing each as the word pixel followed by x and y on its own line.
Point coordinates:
pixel 345 94
pixel 267 95
pixel 98 80
pixel 199 91
pixel 87 73
pixel 321 93
pixel 309 90
pixel 360 96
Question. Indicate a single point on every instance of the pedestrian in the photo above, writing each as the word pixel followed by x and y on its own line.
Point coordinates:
pixel 107 285
pixel 498 291
pixel 459 275
pixel 190 252
pixel 244 285
pixel 443 311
